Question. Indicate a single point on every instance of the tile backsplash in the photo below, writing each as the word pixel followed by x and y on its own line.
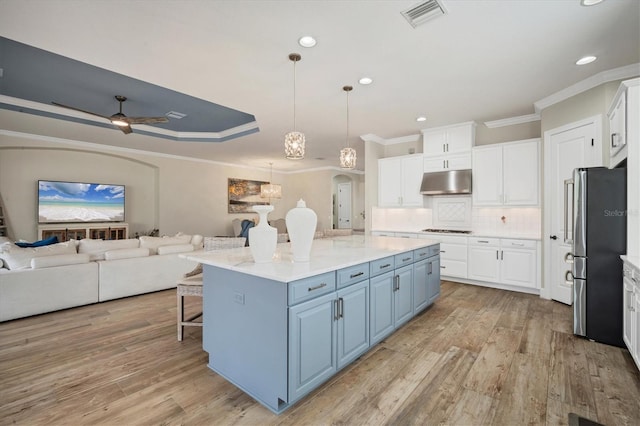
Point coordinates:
pixel 523 222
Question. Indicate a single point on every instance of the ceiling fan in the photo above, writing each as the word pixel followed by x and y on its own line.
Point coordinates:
pixel 119 119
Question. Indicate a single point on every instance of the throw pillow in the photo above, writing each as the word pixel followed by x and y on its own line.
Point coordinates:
pixel 126 253
pixel 97 248
pixel 175 248
pixel 152 243
pixel 41 243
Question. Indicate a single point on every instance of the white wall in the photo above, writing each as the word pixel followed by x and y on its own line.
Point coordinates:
pixel 168 193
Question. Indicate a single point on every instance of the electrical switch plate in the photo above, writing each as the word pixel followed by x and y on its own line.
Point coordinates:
pixel 238 298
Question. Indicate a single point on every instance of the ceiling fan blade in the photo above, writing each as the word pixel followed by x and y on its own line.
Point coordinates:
pixel 145 120
pixel 81 110
pixel 125 129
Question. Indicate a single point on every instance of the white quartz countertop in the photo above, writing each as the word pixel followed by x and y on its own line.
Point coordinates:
pixel 327 255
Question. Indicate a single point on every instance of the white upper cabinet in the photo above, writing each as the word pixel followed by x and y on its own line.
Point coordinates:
pixel 449 139
pixel 439 163
pixel 507 174
pixel 399 180
pixel 618 128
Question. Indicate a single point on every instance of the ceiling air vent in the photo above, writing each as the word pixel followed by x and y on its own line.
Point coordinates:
pixel 175 115
pixel 422 12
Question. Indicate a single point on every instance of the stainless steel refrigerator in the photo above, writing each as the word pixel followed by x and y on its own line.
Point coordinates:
pixel 598 237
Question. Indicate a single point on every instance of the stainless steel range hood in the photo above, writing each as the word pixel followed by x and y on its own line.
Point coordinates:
pixel 452 182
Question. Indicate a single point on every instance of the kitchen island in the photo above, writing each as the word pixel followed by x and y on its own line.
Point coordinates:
pixel 278 330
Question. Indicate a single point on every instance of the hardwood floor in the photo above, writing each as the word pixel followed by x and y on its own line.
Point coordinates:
pixel 478 356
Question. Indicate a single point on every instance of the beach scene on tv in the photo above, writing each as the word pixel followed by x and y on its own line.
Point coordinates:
pixel 79 202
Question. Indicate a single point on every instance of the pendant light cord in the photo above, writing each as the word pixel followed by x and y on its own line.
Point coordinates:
pixel 347 119
pixel 294 95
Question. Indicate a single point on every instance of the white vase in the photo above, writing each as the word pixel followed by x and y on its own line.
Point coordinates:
pixel 263 237
pixel 301 226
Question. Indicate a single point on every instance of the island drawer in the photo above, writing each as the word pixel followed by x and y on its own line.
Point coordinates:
pixel 352 275
pixel 308 288
pixel 381 266
pixel 402 259
pixel 424 252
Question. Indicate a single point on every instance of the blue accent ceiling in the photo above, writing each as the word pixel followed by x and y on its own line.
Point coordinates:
pixel 36 75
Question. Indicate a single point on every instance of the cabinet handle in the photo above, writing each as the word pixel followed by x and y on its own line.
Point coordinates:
pixel 430 268
pixel 442 251
pixel 496 254
pixel 444 164
pixel 518 244
pixel 386 265
pixel 443 267
pixel 318 286
pixel 396 282
pixel 501 255
pixel 336 305
pixel 406 258
pixel 356 275
pixel 341 300
pixel 483 241
pixel 613 140
pixel 443 148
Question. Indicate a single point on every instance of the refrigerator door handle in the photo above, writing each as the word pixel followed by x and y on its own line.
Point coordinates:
pixel 567 216
pixel 568 278
pixel 579 308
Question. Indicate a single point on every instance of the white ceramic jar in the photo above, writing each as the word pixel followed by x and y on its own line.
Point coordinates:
pixel 263 237
pixel 301 226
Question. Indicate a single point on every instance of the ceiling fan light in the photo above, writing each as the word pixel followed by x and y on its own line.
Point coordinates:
pixel 294 145
pixel 348 158
pixel 119 122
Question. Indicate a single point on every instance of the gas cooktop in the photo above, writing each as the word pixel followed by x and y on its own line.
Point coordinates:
pixel 446 231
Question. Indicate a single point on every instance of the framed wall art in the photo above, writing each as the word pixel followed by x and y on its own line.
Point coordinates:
pixel 244 194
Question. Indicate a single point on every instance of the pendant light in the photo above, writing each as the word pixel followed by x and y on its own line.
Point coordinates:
pixel 271 190
pixel 347 154
pixel 294 141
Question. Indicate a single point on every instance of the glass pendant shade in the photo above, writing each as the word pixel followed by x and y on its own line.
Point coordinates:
pixel 348 158
pixel 294 145
pixel 271 190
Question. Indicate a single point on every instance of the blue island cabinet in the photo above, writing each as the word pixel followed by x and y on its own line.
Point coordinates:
pixel 278 341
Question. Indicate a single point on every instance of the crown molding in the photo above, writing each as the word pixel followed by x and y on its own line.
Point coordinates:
pixel 512 121
pixel 377 139
pixel 620 73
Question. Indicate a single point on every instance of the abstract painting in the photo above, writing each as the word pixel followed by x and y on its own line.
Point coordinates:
pixel 244 194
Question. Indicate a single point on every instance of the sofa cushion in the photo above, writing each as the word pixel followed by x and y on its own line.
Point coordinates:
pixel 176 248
pixel 59 260
pixel 97 248
pixel 126 253
pixel 15 257
pixel 152 243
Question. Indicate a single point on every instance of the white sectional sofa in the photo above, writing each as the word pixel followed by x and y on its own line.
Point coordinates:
pixel 75 273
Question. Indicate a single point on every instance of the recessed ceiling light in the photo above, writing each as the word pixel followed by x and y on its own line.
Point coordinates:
pixel 365 80
pixel 421 118
pixel 307 41
pixel 585 60
pixel 590 2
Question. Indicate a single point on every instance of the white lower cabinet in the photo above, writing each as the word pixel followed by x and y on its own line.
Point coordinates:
pixel 631 311
pixel 453 254
pixel 503 261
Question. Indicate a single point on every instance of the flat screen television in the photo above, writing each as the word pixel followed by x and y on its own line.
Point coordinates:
pixel 76 202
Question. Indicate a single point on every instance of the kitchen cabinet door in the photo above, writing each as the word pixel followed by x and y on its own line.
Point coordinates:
pixel 521 173
pixel 389 182
pixel 483 263
pixel 487 176
pixel 381 306
pixel 399 180
pixel 433 279
pixel 629 317
pixel 403 295
pixel 353 322
pixel 636 327
pixel 448 139
pixel 440 163
pixel 518 267
pixel 420 285
pixel 312 344
pixel 618 129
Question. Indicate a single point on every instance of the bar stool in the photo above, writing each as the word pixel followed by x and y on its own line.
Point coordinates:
pixel 190 285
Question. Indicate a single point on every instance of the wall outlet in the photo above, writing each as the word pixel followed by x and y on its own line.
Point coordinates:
pixel 238 298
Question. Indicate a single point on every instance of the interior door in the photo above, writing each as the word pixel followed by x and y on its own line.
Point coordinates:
pixel 567 148
pixel 344 205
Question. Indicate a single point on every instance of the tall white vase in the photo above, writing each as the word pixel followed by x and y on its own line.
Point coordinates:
pixel 301 226
pixel 263 238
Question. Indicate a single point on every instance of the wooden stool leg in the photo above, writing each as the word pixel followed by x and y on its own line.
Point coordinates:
pixel 180 317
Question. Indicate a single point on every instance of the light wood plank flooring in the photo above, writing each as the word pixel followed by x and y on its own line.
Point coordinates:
pixel 478 356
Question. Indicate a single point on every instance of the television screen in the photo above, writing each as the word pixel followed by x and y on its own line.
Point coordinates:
pixel 60 202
